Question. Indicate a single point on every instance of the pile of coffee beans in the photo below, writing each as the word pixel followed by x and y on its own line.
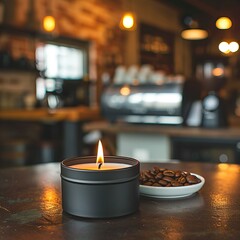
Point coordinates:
pixel 162 177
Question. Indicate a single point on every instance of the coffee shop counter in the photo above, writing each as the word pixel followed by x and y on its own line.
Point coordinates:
pixel 72 114
pixel 30 208
pixel 104 126
pixel 146 141
pixel 72 118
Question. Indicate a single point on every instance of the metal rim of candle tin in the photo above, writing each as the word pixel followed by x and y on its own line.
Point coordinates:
pixel 100 193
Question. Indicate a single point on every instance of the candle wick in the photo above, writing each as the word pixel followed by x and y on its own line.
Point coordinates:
pixel 99 166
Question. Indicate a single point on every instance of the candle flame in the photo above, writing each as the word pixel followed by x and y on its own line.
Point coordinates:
pixel 100 156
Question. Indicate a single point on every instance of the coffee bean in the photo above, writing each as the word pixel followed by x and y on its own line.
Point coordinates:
pixel 168 179
pixel 148 183
pixel 163 182
pixel 169 173
pixel 182 180
pixel 177 174
pixel 159 176
pixel 148 175
pixel 156 169
pixel 162 177
pixel 152 180
pixel 192 179
pixel 185 174
pixel 175 183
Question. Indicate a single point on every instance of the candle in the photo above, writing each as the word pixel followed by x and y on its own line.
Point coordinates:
pixel 100 164
pixel 90 191
pixel 100 194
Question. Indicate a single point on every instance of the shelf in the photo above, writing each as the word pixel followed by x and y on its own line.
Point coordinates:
pixel 44 114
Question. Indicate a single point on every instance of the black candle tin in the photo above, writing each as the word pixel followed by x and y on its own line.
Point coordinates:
pixel 100 193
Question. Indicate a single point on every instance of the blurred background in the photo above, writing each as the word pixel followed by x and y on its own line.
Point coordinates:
pixel 158 63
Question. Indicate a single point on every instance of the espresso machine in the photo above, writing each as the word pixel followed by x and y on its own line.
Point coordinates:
pixel 143 103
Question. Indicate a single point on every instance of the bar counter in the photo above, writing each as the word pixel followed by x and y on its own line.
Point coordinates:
pixel 30 208
pixel 231 132
pixel 72 118
pixel 72 114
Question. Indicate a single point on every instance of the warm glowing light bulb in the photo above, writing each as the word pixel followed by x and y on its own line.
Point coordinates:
pixel 233 46
pixel 128 21
pixel 223 47
pixel 223 23
pixel 125 91
pixel 49 23
pixel 217 72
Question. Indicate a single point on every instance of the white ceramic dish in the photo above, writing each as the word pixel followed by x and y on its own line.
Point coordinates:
pixel 172 192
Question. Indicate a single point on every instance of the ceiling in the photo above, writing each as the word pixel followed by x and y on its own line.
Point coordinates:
pixel 214 8
pixel 207 12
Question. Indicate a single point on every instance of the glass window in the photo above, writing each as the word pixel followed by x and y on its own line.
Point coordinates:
pixel 60 61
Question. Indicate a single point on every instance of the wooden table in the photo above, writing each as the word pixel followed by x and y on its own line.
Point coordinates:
pixel 30 208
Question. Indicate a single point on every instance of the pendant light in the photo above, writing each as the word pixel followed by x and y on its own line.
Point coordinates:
pixel 226 47
pixel 128 20
pixel 49 22
pixel 194 34
pixel 223 23
pixel 191 30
